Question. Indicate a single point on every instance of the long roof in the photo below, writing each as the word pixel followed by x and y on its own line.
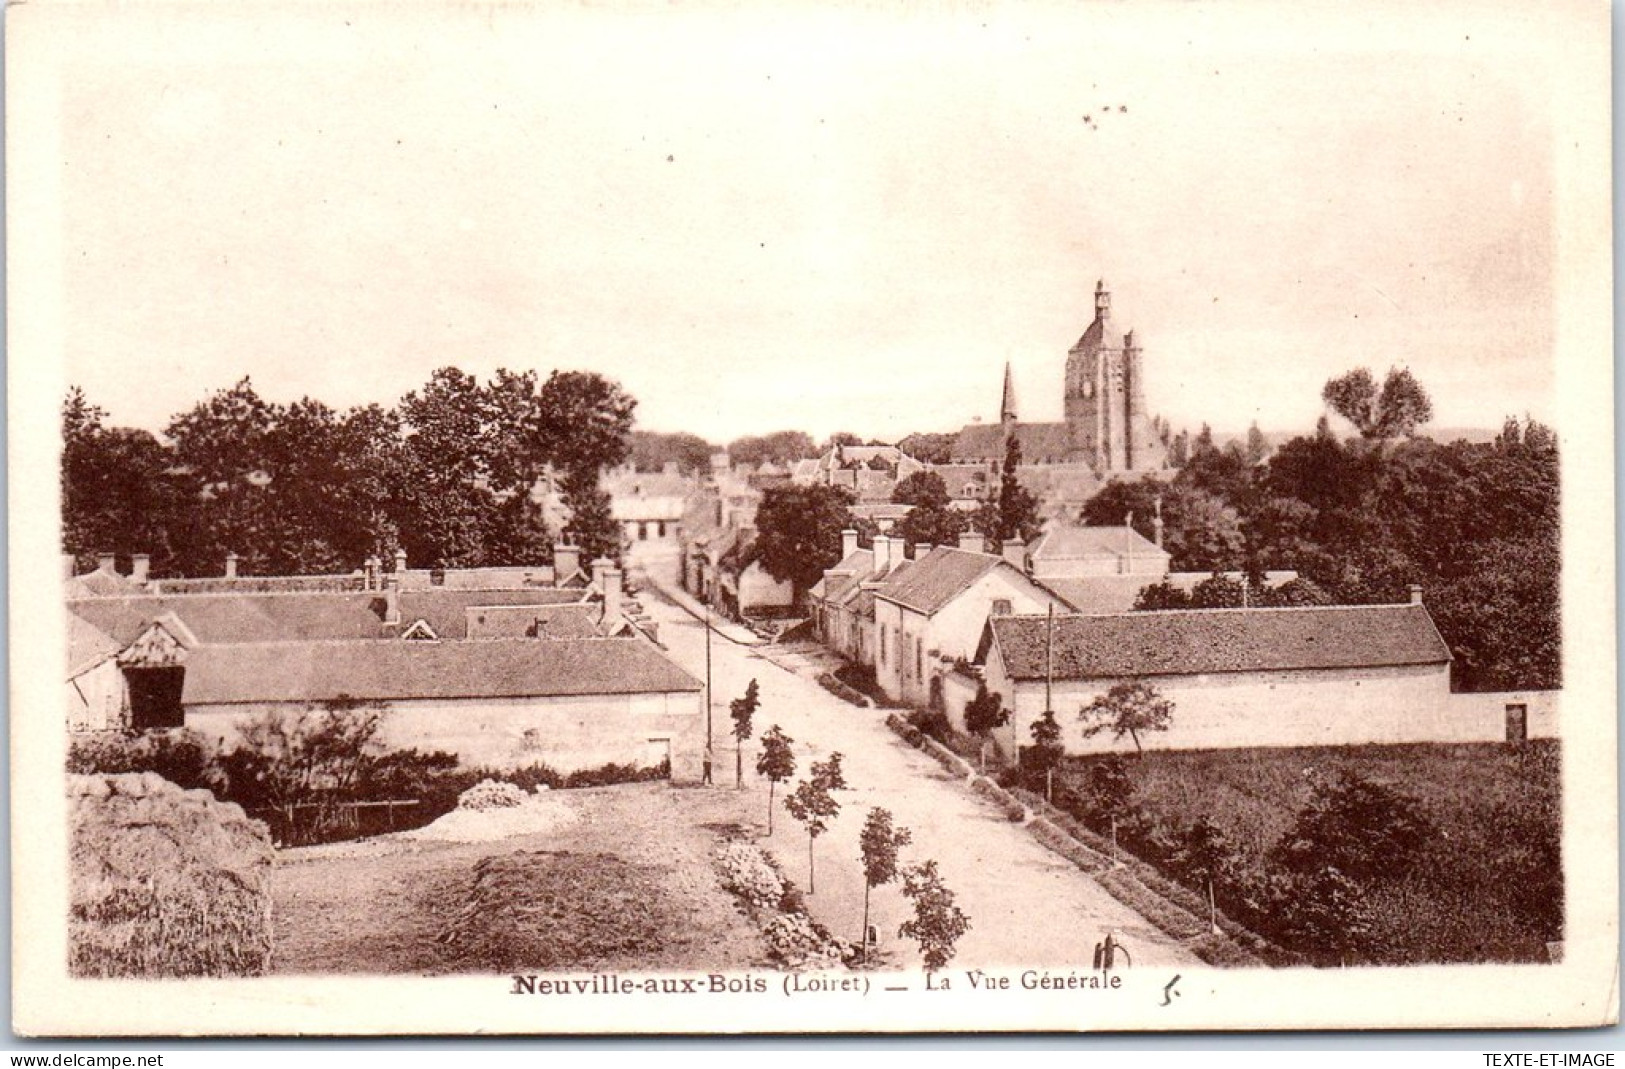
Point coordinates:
pixel 938 578
pixel 233 618
pixel 1065 542
pixel 1219 640
pixel 1039 441
pixel 256 673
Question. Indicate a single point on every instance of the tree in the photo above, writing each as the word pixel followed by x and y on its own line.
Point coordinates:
pixel 1205 856
pixel 1258 449
pixel 780 447
pixel 118 494
pixel 1396 411
pixel 1127 709
pixel 938 923
pixel 1364 829
pixel 815 806
pixel 983 714
pixel 584 421
pixel 1017 515
pixel 309 758
pixel 1161 597
pixel 878 845
pixel 1046 751
pixel 929 448
pixel 840 438
pixel 592 523
pixel 922 526
pixel 777 762
pixel 922 488
pixel 652 451
pixel 742 709
pixel 1218 592
pixel 1320 912
pixel 798 531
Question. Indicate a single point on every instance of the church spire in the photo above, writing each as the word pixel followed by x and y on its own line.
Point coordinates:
pixel 1007 406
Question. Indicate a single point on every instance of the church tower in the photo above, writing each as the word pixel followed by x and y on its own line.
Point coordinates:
pixel 1105 397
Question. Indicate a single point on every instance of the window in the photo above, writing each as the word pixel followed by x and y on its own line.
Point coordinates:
pixel 1517 722
pixel 882 645
pixel 919 659
pixel 1001 606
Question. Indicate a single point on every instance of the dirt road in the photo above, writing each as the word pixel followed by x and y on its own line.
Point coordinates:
pixel 1026 905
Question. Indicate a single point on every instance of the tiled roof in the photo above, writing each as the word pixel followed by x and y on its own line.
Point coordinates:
pixel 941 576
pixel 1039 442
pixel 262 584
pixel 1220 640
pixel 578 620
pixel 446 611
pixel 99 584
pixel 1071 542
pixel 403 671
pixel 88 646
pixel 1101 593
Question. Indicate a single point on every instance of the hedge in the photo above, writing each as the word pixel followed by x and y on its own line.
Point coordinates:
pixel 1014 811
pixel 842 691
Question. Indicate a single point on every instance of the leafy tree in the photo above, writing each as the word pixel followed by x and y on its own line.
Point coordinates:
pixel 742 709
pixel 878 845
pixel 1294 593
pixel 938 922
pixel 924 526
pixel 1205 856
pixel 983 714
pixel 1397 410
pixel 592 524
pixel 1365 830
pixel 1108 788
pixel 922 488
pixel 1046 751
pixel 780 447
pixel 653 450
pixel 840 438
pixel 1161 596
pixel 777 762
pixel 814 804
pixel 1128 709
pixel 118 494
pixel 798 531
pixel 1319 912
pixel 1017 514
pixel 584 421
pixel 311 758
pixel 1218 592
pixel 930 448
pixel 1258 448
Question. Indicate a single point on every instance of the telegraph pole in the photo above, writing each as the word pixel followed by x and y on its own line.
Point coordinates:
pixel 708 689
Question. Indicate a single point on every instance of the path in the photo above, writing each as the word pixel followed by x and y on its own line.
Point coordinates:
pixel 1026 905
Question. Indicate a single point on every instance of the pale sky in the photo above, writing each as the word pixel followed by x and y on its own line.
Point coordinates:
pixel 821 221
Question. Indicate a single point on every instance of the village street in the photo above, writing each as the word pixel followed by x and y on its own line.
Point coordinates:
pixel 1026 905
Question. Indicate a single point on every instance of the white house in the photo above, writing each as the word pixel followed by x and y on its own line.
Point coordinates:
pixel 1237 677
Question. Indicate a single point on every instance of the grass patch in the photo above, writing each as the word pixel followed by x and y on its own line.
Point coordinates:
pixel 1488 886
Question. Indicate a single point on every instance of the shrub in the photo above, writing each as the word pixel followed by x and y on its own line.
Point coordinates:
pixel 843 691
pixel 932 722
pixel 182 756
pixel 951 762
pixel 1013 810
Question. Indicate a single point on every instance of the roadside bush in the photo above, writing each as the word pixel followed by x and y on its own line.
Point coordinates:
pixel 843 691
pixel 951 762
pixel 182 756
pixel 910 734
pixel 932 722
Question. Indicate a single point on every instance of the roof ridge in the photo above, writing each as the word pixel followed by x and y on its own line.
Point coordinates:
pixel 1217 609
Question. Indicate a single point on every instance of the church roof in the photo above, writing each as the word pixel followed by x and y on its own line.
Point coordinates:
pixel 1039 442
pixel 1206 641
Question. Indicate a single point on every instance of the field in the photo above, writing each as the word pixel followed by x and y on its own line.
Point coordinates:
pixel 1488 886
pixel 585 896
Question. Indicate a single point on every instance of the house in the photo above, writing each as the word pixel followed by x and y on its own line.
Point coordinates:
pixel 932 616
pixel 1340 675
pixel 1096 569
pixel 649 506
pixel 570 676
pixel 745 587
pixel 842 603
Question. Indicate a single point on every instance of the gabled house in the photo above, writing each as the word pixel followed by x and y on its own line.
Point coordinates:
pixel 1336 675
pixel 1097 569
pixel 933 615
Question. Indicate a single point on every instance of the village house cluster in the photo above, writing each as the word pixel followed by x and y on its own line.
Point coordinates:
pixel 500 666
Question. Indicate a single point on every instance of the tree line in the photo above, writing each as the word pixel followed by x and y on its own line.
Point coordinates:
pixel 448 474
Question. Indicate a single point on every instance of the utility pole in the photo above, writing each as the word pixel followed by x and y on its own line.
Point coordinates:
pixel 708 754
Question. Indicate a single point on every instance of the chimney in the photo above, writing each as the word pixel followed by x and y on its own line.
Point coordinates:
pixel 105 563
pixel 370 574
pixel 140 563
pixel 231 565
pixel 566 561
pixel 612 595
pixel 882 553
pixel 392 600
pixel 922 550
pixel 68 566
pixel 600 570
pixel 1416 593
pixel 400 562
pixel 1015 551
pixel 971 541
pixel 849 543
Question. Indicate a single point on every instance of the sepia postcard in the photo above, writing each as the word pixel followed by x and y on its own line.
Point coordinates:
pixel 566 518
